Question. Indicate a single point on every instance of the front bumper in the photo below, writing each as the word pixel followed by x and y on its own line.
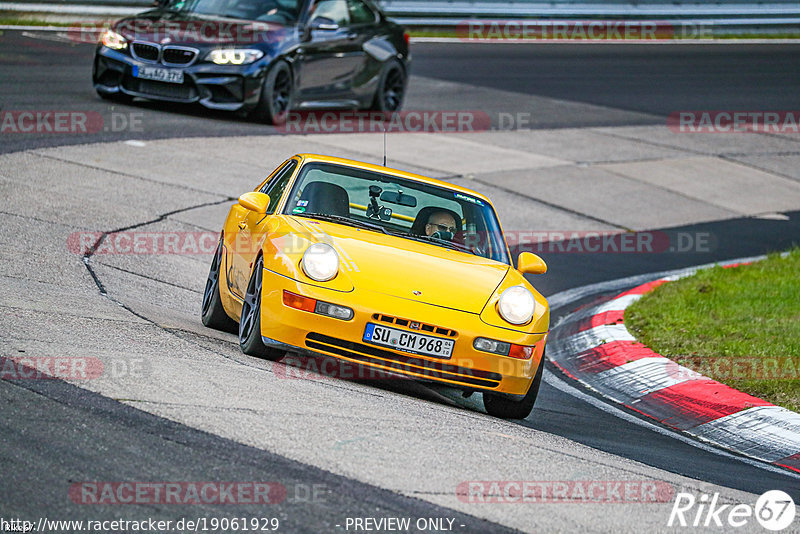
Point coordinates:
pixel 467 368
pixel 223 87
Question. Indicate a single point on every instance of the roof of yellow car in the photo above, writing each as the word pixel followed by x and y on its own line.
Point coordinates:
pixel 390 170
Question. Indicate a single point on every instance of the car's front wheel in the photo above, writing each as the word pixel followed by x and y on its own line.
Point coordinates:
pixel 250 322
pixel 276 95
pixel 505 408
pixel 391 88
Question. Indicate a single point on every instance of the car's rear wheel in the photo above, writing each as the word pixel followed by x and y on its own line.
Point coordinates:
pixel 250 322
pixel 213 314
pixel 276 95
pixel 505 408
pixel 391 88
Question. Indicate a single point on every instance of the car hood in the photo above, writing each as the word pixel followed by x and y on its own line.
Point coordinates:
pixel 185 28
pixel 390 265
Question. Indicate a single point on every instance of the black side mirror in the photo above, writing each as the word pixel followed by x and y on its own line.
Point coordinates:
pixel 324 24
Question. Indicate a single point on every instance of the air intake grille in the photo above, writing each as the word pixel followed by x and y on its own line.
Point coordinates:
pixel 145 51
pixel 177 56
pixel 403 364
pixel 422 327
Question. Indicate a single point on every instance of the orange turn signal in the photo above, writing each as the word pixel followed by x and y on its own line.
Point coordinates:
pixel 521 352
pixel 299 302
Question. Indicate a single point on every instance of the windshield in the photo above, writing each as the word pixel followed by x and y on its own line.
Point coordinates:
pixel 280 11
pixel 393 205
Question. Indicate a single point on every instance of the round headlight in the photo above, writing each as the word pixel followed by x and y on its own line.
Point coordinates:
pixel 320 262
pixel 112 39
pixel 234 56
pixel 516 305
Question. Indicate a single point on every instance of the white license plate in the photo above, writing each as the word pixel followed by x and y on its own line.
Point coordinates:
pixel 158 74
pixel 408 341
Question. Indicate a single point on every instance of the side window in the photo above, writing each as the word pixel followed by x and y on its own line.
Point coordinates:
pixel 336 10
pixel 275 187
pixel 360 13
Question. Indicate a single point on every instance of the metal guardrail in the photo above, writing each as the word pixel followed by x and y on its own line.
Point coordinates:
pixel 720 17
pixel 485 9
pixel 723 14
pixel 415 12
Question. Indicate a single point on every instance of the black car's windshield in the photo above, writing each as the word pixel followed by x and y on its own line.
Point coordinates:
pixel 397 206
pixel 280 11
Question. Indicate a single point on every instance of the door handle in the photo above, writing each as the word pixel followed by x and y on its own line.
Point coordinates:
pixel 352 36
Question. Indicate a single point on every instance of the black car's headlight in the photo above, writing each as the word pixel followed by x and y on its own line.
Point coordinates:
pixel 234 56
pixel 113 40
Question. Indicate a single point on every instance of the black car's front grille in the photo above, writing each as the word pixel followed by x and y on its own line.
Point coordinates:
pixel 145 51
pixel 162 89
pixel 177 56
pixel 373 355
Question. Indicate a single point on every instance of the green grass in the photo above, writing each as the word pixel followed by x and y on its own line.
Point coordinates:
pixel 740 326
pixel 12 20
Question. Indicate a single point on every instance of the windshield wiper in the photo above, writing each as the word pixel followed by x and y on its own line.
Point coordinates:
pixel 343 220
pixel 435 241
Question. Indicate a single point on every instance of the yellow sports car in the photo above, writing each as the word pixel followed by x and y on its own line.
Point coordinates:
pixel 385 269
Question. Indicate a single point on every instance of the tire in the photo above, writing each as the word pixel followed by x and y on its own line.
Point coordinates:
pixel 391 88
pixel 276 95
pixel 505 408
pixel 211 312
pixel 250 323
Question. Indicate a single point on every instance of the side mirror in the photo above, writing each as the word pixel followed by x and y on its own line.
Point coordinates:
pixel 324 23
pixel 254 201
pixel 530 263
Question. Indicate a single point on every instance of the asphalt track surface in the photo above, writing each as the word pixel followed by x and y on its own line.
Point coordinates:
pixel 557 86
pixel 54 434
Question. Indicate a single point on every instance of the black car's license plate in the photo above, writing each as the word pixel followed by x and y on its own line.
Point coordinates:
pixel 408 341
pixel 158 74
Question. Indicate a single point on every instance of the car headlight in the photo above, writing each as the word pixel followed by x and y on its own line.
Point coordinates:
pixel 320 262
pixel 234 56
pixel 516 305
pixel 113 40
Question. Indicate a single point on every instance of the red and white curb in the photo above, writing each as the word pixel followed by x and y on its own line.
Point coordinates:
pixel 593 347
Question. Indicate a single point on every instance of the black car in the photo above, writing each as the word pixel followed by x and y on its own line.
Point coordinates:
pixel 260 57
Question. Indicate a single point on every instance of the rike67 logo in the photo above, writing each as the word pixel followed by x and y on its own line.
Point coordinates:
pixel 774 510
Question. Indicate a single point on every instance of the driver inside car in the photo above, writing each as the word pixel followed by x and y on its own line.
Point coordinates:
pixel 441 225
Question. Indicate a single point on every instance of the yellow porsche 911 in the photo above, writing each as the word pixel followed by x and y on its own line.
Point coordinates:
pixel 385 269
